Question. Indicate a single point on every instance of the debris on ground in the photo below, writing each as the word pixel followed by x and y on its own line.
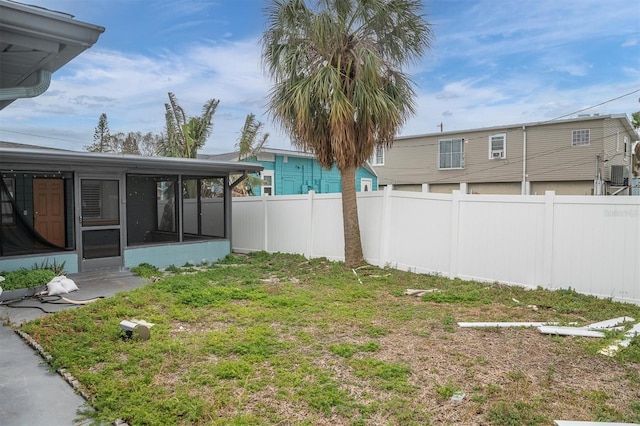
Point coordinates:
pixel 503 324
pixel 356 274
pixel 619 344
pixel 418 293
pixel 457 396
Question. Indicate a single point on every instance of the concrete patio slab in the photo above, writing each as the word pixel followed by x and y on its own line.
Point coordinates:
pixel 30 393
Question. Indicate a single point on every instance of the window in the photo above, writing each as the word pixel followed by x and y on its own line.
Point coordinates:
pixel 451 153
pixel 100 202
pixel 377 159
pixel 6 211
pixel 267 185
pixel 498 146
pixel 157 204
pixel 581 137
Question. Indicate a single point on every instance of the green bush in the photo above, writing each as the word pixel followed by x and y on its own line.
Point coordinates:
pixel 26 279
pixel 146 270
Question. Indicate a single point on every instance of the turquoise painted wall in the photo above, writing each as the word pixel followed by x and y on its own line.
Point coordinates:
pixel 177 254
pixel 299 175
pixel 70 261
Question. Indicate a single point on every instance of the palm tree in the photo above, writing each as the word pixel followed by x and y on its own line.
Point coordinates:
pixel 251 140
pixel 250 143
pixel 183 138
pixel 338 86
pixel 186 135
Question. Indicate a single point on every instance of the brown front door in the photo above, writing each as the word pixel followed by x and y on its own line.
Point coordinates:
pixel 48 209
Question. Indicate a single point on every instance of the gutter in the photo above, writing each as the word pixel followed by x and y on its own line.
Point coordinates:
pixel 41 86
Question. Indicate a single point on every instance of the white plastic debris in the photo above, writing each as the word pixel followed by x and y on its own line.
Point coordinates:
pixel 503 324
pixel 569 331
pixel 457 396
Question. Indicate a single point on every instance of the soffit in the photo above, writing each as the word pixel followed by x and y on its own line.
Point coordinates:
pixel 33 39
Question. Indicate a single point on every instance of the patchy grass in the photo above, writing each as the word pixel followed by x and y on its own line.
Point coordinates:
pixel 24 278
pixel 279 339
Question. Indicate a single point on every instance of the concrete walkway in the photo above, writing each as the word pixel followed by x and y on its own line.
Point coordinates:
pixel 30 393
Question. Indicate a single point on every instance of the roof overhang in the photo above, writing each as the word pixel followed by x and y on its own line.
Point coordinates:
pixel 53 160
pixel 34 43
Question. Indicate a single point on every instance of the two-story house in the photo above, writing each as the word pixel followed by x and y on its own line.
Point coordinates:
pixel 590 154
pixel 288 172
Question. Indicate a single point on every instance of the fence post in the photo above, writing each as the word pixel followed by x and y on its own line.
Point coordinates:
pixel 309 248
pixel 385 226
pixel 455 231
pixel 547 248
pixel 265 216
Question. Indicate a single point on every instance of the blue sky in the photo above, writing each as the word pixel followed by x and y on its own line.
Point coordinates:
pixel 492 62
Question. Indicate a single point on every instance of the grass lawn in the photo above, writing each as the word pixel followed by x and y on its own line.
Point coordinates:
pixel 279 339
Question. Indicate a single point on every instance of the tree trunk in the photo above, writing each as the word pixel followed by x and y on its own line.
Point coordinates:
pixel 352 244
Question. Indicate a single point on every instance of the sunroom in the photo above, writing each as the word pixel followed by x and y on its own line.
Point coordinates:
pixel 91 211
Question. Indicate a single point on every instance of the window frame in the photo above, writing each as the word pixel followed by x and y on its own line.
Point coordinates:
pixel 7 217
pixel 377 158
pixel 578 136
pixel 272 187
pixel 451 154
pixel 504 146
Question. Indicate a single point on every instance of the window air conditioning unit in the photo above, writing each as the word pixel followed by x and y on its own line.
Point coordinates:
pixel 496 154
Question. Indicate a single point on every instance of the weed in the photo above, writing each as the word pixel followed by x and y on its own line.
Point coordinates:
pixel 449 323
pixel 146 270
pixel 55 267
pixel 347 350
pixel 373 331
pixel 515 414
pixel 24 278
pixel 387 376
pixel 173 269
pixel 241 343
pixel 447 390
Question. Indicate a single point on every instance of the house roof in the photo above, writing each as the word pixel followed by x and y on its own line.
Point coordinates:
pixel 586 117
pixel 233 156
pixel 14 145
pixel 21 158
pixel 34 43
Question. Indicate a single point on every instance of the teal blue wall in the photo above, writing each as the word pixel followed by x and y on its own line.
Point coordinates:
pixel 177 254
pixel 300 175
pixel 70 261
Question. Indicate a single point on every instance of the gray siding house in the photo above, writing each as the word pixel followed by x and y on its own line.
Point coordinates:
pixel 578 156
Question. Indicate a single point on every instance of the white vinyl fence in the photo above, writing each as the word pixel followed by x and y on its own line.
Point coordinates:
pixel 587 243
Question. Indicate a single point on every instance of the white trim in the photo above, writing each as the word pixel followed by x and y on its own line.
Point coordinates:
pixel 268 189
pixel 581 137
pixel 438 158
pixel 365 181
pixel 377 160
pixel 498 154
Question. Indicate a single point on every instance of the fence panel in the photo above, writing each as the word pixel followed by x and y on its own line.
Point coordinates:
pixel 591 244
pixel 500 237
pixel 248 224
pixel 420 232
pixel 326 230
pixel 596 246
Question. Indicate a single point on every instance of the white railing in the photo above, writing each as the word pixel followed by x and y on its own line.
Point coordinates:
pixel 587 243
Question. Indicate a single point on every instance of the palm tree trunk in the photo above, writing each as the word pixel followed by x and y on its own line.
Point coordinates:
pixel 352 244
